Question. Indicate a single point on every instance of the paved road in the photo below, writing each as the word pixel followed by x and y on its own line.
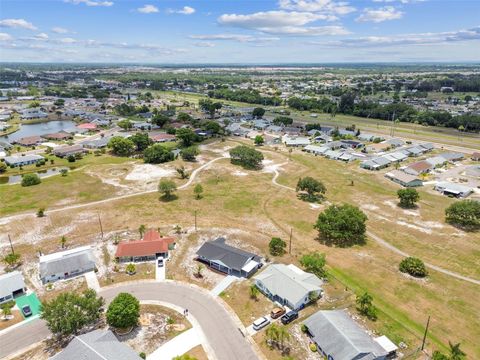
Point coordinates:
pixel 221 331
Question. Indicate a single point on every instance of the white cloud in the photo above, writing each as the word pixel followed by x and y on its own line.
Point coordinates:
pixel 59 30
pixel 148 9
pixel 234 37
pixel 186 10
pixel 327 6
pixel 17 23
pixel 206 44
pixel 90 2
pixel 420 39
pixel 67 40
pixel 5 37
pixel 41 36
pixel 380 14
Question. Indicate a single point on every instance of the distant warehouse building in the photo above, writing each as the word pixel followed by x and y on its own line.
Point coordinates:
pixel 66 264
pixel 403 179
pixel 11 285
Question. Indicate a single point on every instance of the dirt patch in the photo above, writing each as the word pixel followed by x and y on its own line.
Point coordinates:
pixel 157 326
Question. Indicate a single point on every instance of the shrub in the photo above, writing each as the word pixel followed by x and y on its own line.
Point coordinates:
pixel 189 153
pixel 71 158
pixel 130 269
pixel 464 213
pixel 313 347
pixel 277 246
pixel 413 266
pixel 30 180
pixel 41 212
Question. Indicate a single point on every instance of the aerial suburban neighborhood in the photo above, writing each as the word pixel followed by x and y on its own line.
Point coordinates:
pixel 282 180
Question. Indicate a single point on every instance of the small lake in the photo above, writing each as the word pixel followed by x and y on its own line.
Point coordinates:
pixel 16 179
pixel 40 129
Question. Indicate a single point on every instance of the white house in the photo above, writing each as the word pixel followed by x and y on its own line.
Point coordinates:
pixel 289 285
pixel 11 285
pixel 66 264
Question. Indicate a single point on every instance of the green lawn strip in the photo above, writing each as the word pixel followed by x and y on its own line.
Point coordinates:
pixel 400 322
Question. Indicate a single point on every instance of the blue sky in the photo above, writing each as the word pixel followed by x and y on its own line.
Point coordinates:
pixel 240 31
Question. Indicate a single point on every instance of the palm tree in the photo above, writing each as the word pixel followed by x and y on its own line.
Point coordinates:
pixel 455 352
pixel 254 291
pixel 63 241
pixel 272 334
pixel 141 230
pixel 283 335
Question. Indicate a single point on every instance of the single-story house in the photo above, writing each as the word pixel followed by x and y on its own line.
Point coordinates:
pixel 33 114
pixel 69 150
pixel 151 247
pixel 97 345
pixel 162 137
pixel 12 284
pixel 375 163
pixel 396 156
pixel 333 154
pixel 274 129
pixel 395 142
pixel 427 146
pixel 378 147
pixel 367 137
pixel 317 150
pixel 61 135
pixel 15 160
pixel 296 141
pixel 339 337
pixel 413 151
pixel 451 189
pixel 87 126
pixel 66 264
pixel 351 144
pixel 96 144
pixel 417 168
pixel 29 141
pixel 228 259
pixel 403 179
pixel 288 285
pixel 260 124
pixel 436 161
pixel 452 157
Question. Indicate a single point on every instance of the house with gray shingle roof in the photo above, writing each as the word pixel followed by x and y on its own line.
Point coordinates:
pixel 338 337
pixel 288 285
pixel 96 345
pixel 228 259
pixel 11 285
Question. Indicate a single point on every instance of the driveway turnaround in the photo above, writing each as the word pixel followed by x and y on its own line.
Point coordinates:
pixel 222 332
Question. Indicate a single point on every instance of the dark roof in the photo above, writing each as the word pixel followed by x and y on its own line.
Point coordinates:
pixel 230 256
pixel 97 344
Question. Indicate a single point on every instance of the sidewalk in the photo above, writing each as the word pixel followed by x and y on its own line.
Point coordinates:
pixel 222 285
pixel 92 281
pixel 177 346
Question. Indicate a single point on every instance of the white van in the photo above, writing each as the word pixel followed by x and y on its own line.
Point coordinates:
pixel 260 323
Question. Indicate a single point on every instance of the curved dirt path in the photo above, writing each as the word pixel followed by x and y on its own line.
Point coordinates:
pixel 386 244
pixel 194 173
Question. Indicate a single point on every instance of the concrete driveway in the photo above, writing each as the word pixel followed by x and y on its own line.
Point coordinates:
pixel 221 330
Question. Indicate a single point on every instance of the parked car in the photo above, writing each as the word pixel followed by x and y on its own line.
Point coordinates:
pixel 26 310
pixel 289 317
pixel 260 323
pixel 160 262
pixel 277 312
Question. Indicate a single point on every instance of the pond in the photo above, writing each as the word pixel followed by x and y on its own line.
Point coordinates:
pixel 16 179
pixel 40 129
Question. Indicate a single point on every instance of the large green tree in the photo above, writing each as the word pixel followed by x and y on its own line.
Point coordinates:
pixel 258 112
pixel 314 263
pixel 141 140
pixel 167 187
pixel 30 179
pixel 69 312
pixel 365 306
pixel 157 153
pixel 342 225
pixel 277 246
pixel 186 136
pixel 121 146
pixel 123 311
pixel 464 213
pixel 246 156
pixel 310 189
pixel 408 198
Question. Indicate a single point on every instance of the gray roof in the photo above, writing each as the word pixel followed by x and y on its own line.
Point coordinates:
pixel 68 263
pixel 339 336
pixel 451 156
pixel 230 256
pixel 11 282
pixel 21 159
pixel 287 283
pixel 97 344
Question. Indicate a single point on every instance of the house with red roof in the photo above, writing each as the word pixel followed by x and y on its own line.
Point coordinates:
pixel 151 247
pixel 87 126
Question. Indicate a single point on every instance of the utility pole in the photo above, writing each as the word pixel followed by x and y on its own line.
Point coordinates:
pixel 100 222
pixel 11 245
pixel 195 220
pixel 425 335
pixel 290 247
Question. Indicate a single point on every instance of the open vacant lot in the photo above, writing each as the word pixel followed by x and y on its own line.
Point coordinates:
pixel 249 203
